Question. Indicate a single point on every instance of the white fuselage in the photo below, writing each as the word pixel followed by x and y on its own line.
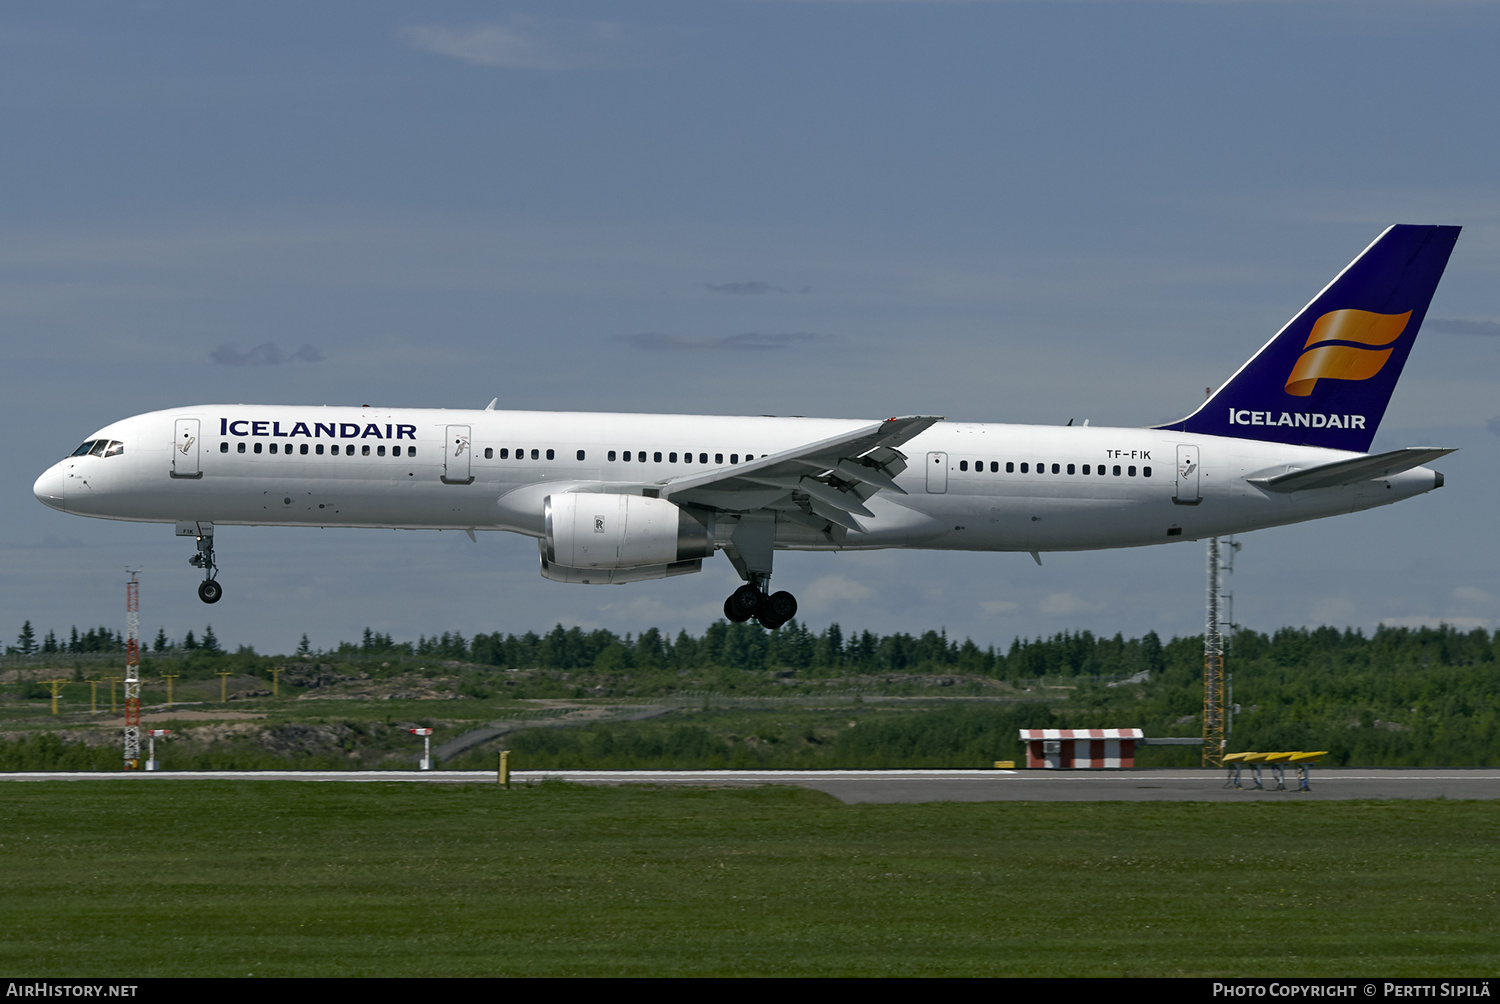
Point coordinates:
pixel 970 486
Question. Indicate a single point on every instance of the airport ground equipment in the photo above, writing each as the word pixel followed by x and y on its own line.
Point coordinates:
pixel 1080 749
pixel 1300 760
pixel 56 687
pixel 426 735
pixel 151 737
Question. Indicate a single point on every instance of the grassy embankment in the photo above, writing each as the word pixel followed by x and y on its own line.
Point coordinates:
pixel 289 878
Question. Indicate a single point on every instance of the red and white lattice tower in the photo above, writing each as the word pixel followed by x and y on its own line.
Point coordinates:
pixel 132 671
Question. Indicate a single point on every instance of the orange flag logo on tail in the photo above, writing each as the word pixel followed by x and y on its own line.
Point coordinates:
pixel 1345 362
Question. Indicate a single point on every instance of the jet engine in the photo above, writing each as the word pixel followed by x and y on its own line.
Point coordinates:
pixel 608 538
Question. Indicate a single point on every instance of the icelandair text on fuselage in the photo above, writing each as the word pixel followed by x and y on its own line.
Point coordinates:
pixel 1311 420
pixel 1477 989
pixel 246 428
pixel 70 990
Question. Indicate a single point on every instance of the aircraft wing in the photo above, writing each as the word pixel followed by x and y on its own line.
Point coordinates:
pixel 1349 472
pixel 816 484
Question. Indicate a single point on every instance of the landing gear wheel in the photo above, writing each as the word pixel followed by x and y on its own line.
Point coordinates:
pixel 743 603
pixel 209 591
pixel 776 610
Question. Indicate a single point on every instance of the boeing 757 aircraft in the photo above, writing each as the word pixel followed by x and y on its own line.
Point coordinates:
pixel 624 498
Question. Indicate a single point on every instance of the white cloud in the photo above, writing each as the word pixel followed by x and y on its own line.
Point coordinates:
pixel 527 43
pixel 833 589
pixel 1064 603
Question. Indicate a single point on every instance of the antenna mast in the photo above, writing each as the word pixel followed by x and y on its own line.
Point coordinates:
pixel 1215 711
pixel 132 671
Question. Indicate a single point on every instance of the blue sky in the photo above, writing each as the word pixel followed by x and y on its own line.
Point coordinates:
pixel 1010 211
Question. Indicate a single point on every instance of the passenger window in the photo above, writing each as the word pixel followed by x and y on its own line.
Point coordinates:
pixel 1056 469
pixel 395 451
pixel 994 467
pixel 536 454
pixel 273 447
pixel 1101 470
pixel 380 451
pixel 411 451
pixel 1010 467
pixel 1146 472
pixel 580 454
pixel 489 452
pixel 734 458
pixel 551 454
pixel 1117 470
pixel 656 456
pixel 257 447
pixel 671 458
pixel 611 456
pixel 365 449
pixel 504 453
pixel 1085 468
pixel 963 465
pixel 349 450
pixel 1024 467
pixel 718 458
pixel 1132 472
pixel 316 449
pixel 241 447
pixel 703 458
pixel 1070 468
pixel 223 447
pixel 303 451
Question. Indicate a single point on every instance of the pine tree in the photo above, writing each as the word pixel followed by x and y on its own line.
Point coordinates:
pixel 161 644
pixel 210 643
pixel 303 648
pixel 189 642
pixel 26 642
pixel 49 644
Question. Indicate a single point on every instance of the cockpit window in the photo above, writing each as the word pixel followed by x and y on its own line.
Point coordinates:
pixel 100 448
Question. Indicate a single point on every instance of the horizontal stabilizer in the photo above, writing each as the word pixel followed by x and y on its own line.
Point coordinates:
pixel 1350 472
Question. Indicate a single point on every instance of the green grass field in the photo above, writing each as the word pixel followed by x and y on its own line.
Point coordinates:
pixel 186 878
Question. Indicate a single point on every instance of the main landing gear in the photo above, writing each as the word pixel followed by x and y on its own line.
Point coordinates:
pixel 751 600
pixel 209 590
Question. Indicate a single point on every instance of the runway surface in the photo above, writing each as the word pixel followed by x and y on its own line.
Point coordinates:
pixel 856 786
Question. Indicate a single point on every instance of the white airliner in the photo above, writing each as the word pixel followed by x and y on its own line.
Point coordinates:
pixel 615 498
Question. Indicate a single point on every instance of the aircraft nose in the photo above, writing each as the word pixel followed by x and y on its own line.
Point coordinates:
pixel 49 487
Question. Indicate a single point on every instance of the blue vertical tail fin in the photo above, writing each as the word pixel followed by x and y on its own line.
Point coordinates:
pixel 1326 377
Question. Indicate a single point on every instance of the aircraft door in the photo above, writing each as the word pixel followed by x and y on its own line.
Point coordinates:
pixel 185 449
pixel 937 473
pixel 456 454
pixel 1187 476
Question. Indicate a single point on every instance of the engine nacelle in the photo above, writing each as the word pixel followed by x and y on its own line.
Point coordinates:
pixel 592 537
pixel 615 576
